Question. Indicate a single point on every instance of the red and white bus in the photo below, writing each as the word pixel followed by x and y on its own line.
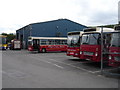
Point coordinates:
pixel 45 44
pixel 114 49
pixel 73 42
pixel 90 48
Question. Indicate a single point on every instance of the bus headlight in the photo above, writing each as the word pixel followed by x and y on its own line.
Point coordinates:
pixel 96 54
pixel 76 54
pixel 80 52
pixel 4 47
pixel 110 57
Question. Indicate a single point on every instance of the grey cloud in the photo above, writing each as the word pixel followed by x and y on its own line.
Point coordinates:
pixel 103 18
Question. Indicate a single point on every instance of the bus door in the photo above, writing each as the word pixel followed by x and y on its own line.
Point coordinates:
pixel 36 44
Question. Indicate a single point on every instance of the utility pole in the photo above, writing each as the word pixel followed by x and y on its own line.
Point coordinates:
pixel 102 50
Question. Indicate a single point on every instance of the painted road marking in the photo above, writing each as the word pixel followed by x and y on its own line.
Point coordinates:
pixel 14 74
pixel 93 72
pixel 73 66
pixel 58 66
pixel 54 64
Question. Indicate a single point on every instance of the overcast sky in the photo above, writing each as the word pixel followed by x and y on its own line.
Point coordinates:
pixel 15 14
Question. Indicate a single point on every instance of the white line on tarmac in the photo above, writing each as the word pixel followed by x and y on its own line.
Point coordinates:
pixel 54 64
pixel 73 66
pixel 14 74
pixel 103 70
pixel 68 65
pixel 97 71
pixel 80 67
pixel 47 62
pixel 58 66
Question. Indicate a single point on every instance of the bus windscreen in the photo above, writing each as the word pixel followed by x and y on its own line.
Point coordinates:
pixel 91 39
pixel 115 42
pixel 3 40
pixel 73 40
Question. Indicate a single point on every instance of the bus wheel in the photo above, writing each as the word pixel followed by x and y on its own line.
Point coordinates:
pixel 43 50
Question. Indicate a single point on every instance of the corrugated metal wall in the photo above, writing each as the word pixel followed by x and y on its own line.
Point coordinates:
pixel 56 28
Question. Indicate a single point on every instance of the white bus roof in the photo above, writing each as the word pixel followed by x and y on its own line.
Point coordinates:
pixel 99 29
pixel 63 38
pixel 75 32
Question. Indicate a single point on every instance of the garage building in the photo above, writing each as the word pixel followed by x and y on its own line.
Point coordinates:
pixel 55 28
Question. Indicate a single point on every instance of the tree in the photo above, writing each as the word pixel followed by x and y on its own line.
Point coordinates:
pixel 10 36
pixel 4 34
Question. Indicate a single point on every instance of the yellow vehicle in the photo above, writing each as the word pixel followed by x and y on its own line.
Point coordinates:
pixel 3 42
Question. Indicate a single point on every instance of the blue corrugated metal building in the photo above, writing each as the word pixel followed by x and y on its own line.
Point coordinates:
pixel 55 28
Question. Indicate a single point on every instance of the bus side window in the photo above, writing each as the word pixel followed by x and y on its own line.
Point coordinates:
pixel 43 42
pixel 64 42
pixel 51 42
pixel 47 42
pixel 61 42
pixel 57 42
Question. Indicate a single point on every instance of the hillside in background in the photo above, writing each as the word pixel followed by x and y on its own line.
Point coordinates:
pixel 107 26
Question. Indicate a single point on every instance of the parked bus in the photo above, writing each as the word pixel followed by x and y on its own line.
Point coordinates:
pixel 73 42
pixel 3 42
pixel 90 48
pixel 44 44
pixel 114 49
pixel 15 44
